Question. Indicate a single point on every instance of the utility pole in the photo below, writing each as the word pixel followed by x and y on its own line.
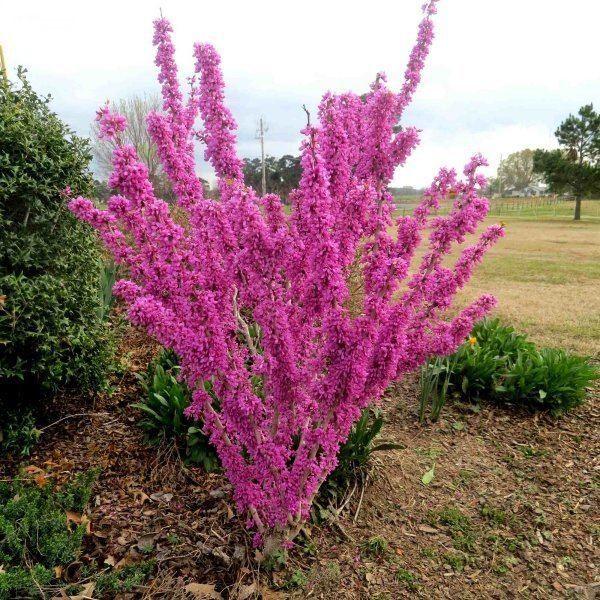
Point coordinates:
pixel 262 129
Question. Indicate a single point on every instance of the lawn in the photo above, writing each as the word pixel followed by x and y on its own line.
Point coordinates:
pixel 545 273
pixel 546 276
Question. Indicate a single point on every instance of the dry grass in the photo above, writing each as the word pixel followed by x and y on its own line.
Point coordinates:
pixel 546 276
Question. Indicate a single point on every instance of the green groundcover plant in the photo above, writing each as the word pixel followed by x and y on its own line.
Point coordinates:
pixel 499 364
pixel 166 397
pixel 36 535
pixel 52 330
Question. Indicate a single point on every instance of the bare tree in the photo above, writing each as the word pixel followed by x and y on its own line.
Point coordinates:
pixel 134 109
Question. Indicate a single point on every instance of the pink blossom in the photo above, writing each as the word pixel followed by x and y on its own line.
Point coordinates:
pixel 110 124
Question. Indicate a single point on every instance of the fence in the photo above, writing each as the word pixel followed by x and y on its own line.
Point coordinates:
pixel 537 206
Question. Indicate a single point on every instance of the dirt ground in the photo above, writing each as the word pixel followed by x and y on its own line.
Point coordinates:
pixel 511 512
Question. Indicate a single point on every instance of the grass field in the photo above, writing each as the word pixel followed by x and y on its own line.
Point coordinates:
pixel 546 276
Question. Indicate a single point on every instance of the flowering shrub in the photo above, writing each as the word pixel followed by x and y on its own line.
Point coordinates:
pixel 258 302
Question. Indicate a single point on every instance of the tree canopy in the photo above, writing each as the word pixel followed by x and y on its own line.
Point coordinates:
pixel 575 166
pixel 282 174
pixel 516 170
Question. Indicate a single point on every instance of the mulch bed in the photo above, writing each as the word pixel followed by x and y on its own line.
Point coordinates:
pixel 512 510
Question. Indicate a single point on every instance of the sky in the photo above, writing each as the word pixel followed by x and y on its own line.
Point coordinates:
pixel 501 75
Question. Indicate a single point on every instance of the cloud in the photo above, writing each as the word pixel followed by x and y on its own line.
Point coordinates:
pixel 500 77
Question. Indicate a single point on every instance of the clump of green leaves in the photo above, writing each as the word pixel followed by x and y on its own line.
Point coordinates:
pixel 408 578
pixel 165 399
pixel 501 365
pixel 549 379
pixel 356 453
pixel 459 526
pixel 35 534
pixel 52 333
pixel 298 579
pixel 108 275
pixel 18 431
pixel 376 547
pixel 434 382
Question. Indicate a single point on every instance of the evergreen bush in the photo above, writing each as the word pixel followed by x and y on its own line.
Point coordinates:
pixel 52 332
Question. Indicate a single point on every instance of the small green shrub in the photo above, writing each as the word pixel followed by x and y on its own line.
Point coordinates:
pixel 35 535
pixel 18 433
pixel 501 365
pixel 51 332
pixel 357 450
pixel 163 406
pixel 549 379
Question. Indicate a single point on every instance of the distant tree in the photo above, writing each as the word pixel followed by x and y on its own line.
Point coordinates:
pixel 135 109
pixel 494 186
pixel 516 171
pixel 283 174
pixel 101 191
pixel 406 190
pixel 575 167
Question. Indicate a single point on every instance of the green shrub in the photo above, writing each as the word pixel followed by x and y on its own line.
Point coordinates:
pixel 501 365
pixel 549 379
pixel 492 348
pixel 18 432
pixel 356 453
pixel 125 580
pixel 51 332
pixel 35 535
pixel 163 406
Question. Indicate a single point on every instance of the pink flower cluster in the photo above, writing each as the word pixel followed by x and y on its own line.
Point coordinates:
pixel 259 305
pixel 110 124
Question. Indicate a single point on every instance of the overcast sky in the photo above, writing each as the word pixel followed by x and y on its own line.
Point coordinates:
pixel 501 75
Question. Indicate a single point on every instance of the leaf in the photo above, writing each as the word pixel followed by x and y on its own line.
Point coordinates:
pixel 87 593
pixel 388 446
pixel 203 591
pixel 458 425
pixel 428 476
pixel 542 394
